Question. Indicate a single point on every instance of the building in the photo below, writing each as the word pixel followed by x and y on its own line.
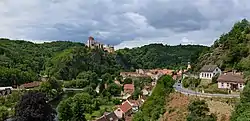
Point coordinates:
pixel 124 110
pixel 108 117
pixel 5 91
pixel 129 89
pixel 189 66
pixel 209 71
pixel 30 85
pixel 231 80
pixel 92 43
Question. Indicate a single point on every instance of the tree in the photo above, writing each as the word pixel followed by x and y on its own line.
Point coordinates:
pixel 136 94
pixel 52 88
pixel 128 81
pixel 114 89
pixel 34 106
pixel 199 112
pixel 106 77
pixel 214 78
pixel 64 109
pixel 245 95
pixel 75 108
pixel 4 113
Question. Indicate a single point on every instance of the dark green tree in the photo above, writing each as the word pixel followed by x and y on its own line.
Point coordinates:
pixel 34 106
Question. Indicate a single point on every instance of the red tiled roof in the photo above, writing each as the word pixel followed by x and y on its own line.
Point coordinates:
pixel 128 87
pixel 31 85
pixel 125 107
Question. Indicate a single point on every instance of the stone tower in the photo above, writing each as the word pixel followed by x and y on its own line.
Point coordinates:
pixel 189 66
pixel 90 41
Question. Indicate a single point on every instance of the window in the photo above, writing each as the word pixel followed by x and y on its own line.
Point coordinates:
pixel 216 69
pixel 227 84
pixel 222 84
pixel 240 85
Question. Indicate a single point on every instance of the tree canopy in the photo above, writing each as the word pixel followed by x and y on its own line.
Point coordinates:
pixel 34 106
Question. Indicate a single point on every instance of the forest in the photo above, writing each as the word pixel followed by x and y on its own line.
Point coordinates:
pixel 22 61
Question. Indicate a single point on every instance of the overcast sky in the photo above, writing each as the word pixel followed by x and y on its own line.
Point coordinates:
pixel 124 23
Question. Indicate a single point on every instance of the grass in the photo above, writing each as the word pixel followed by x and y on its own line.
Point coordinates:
pixel 205 82
pixel 213 88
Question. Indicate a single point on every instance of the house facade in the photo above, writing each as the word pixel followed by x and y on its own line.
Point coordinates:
pixel 233 81
pixel 209 71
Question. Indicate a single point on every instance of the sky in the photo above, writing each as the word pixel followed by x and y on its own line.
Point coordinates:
pixel 122 23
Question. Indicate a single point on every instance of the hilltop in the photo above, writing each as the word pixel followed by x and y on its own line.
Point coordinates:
pixel 231 50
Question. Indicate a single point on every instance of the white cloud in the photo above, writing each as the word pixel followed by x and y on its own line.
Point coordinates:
pixel 124 23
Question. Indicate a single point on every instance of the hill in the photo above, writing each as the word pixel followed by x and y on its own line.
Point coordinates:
pixel 231 50
pixel 22 61
pixel 162 56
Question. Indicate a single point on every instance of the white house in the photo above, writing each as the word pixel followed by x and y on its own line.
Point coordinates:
pixel 209 71
pixel 233 81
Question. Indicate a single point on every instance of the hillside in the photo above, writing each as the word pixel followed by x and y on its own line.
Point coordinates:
pixel 22 61
pixel 162 56
pixel 231 50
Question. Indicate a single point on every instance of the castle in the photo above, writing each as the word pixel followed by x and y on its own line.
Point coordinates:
pixel 92 43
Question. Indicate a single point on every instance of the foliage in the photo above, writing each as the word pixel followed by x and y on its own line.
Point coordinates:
pixel 33 106
pixel 153 107
pixel 214 78
pixel 128 81
pixel 52 88
pixel 136 93
pixel 22 61
pixel 77 107
pixel 160 56
pixel 231 50
pixel 191 82
pixel 242 110
pixel 199 111
pixel 3 113
pixel 114 89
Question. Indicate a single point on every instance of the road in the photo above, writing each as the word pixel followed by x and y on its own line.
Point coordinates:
pixel 178 87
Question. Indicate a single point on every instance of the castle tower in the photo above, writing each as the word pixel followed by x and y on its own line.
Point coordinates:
pixel 189 66
pixel 90 41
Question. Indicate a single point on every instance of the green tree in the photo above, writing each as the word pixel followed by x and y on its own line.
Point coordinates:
pixel 75 108
pixel 4 113
pixel 199 112
pixel 64 109
pixel 107 77
pixel 128 81
pixel 114 89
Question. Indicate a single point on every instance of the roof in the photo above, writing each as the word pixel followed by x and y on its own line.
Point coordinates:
pixel 31 85
pixel 129 87
pixel 108 117
pixel 231 77
pixel 208 68
pixel 125 107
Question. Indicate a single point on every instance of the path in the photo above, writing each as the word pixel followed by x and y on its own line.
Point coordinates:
pixel 178 87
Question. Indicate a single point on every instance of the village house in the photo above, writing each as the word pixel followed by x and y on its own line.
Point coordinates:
pixel 108 117
pixel 129 88
pixel 231 80
pixel 124 110
pixel 209 71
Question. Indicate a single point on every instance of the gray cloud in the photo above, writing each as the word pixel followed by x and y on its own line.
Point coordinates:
pixel 121 22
